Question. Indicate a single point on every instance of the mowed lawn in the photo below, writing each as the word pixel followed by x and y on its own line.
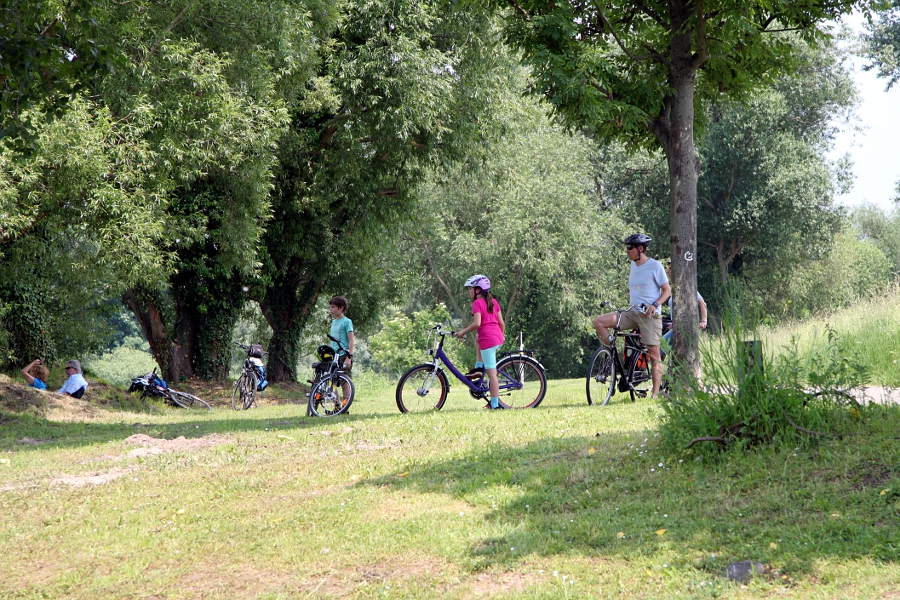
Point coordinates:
pixel 565 501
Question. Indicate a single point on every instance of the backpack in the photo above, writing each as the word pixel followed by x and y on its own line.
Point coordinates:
pixel 256 350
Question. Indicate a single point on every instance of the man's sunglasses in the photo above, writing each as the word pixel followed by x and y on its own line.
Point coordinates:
pixel 630 247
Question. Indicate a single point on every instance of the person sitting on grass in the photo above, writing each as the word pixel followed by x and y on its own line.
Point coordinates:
pixel 36 374
pixel 76 384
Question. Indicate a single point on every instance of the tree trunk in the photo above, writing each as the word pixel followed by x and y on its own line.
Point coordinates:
pixel 287 306
pixel 174 362
pixel 684 170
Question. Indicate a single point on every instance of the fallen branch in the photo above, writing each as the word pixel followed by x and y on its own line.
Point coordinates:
pixel 707 438
pixel 811 432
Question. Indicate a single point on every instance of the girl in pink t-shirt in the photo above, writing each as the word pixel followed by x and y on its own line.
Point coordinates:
pixel 488 320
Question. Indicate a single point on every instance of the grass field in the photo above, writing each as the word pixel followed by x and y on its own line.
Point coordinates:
pixel 566 501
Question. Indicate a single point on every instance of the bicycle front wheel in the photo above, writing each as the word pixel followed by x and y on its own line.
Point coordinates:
pixel 244 393
pixel 185 400
pixel 523 382
pixel 422 388
pixel 332 396
pixel 601 377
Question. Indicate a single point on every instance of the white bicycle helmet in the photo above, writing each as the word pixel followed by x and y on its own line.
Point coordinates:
pixel 479 281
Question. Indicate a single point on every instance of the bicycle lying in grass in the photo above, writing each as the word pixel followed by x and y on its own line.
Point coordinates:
pixel 252 378
pixel 629 368
pixel 155 387
pixel 332 389
pixel 522 379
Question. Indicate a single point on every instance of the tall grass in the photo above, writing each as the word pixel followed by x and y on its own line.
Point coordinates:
pixel 784 395
pixel 871 328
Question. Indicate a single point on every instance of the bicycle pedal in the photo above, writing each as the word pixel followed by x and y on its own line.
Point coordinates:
pixel 641 393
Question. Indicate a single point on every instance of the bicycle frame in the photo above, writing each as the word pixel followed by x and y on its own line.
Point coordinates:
pixel 441 357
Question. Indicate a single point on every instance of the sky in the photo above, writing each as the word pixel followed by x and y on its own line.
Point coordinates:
pixel 875 151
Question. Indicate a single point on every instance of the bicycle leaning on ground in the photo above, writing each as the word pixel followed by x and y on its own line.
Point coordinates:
pixel 522 379
pixel 332 389
pixel 154 386
pixel 627 370
pixel 252 378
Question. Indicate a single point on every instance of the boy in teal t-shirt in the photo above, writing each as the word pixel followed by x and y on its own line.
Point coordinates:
pixel 342 329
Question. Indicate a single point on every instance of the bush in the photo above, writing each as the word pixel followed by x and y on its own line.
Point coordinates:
pixel 747 397
pixel 401 342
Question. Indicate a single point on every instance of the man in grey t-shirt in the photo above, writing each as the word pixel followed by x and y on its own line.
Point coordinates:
pixel 649 287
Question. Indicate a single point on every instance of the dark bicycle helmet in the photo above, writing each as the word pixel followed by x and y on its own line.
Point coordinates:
pixel 325 352
pixel 639 239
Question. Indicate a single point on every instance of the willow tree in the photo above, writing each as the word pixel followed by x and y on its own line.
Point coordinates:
pixel 637 70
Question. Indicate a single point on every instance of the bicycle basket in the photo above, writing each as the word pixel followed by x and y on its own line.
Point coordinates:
pixel 325 352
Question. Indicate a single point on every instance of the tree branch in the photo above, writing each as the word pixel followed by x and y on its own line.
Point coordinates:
pixel 434 272
pixel 616 36
pixel 519 9
pixel 171 25
pixel 810 431
pixel 707 438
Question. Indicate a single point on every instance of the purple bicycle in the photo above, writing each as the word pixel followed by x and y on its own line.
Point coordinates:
pixel 522 378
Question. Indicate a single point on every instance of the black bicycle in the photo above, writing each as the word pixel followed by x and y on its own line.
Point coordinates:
pixel 252 378
pixel 154 386
pixel 626 369
pixel 332 389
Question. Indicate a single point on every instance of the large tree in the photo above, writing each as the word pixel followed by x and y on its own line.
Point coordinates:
pixel 526 213
pixel 637 70
pixel 398 89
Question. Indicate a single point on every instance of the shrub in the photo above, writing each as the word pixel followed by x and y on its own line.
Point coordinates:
pixel 747 397
pixel 401 342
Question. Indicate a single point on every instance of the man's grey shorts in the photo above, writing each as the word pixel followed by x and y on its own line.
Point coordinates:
pixel 651 327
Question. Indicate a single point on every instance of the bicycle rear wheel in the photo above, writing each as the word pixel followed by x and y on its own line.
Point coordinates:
pixel 185 400
pixel 244 394
pixel 601 377
pixel 523 382
pixel 641 378
pixel 422 388
pixel 332 396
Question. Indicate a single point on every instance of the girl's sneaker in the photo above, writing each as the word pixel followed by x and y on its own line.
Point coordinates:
pixel 475 374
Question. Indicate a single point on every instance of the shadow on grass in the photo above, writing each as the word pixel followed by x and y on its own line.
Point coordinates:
pixel 44 433
pixel 617 495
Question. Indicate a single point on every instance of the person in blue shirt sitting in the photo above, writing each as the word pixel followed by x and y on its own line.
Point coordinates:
pixel 36 374
pixel 76 383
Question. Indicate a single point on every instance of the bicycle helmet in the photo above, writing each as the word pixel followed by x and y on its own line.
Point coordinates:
pixel 479 281
pixel 639 239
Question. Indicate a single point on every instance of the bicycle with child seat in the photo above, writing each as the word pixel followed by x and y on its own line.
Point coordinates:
pixel 252 378
pixel 154 386
pixel 424 387
pixel 332 389
pixel 626 369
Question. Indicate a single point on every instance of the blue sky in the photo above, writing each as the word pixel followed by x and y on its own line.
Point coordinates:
pixel 875 150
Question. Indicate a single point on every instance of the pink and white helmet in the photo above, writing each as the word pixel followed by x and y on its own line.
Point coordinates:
pixel 479 281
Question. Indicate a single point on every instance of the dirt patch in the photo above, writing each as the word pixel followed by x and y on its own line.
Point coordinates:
pixel 33 441
pixel 92 479
pixel 870 475
pixel 19 398
pixel 490 584
pixel 151 445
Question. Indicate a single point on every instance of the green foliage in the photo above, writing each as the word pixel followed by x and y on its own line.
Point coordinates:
pixel 750 397
pixel 121 364
pixel 528 216
pixel 881 43
pixel 49 51
pixel 401 343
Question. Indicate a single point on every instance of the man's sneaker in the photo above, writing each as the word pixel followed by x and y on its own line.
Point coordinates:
pixel 475 374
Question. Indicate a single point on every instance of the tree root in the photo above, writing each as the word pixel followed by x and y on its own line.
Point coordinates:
pixel 811 432
pixel 707 438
